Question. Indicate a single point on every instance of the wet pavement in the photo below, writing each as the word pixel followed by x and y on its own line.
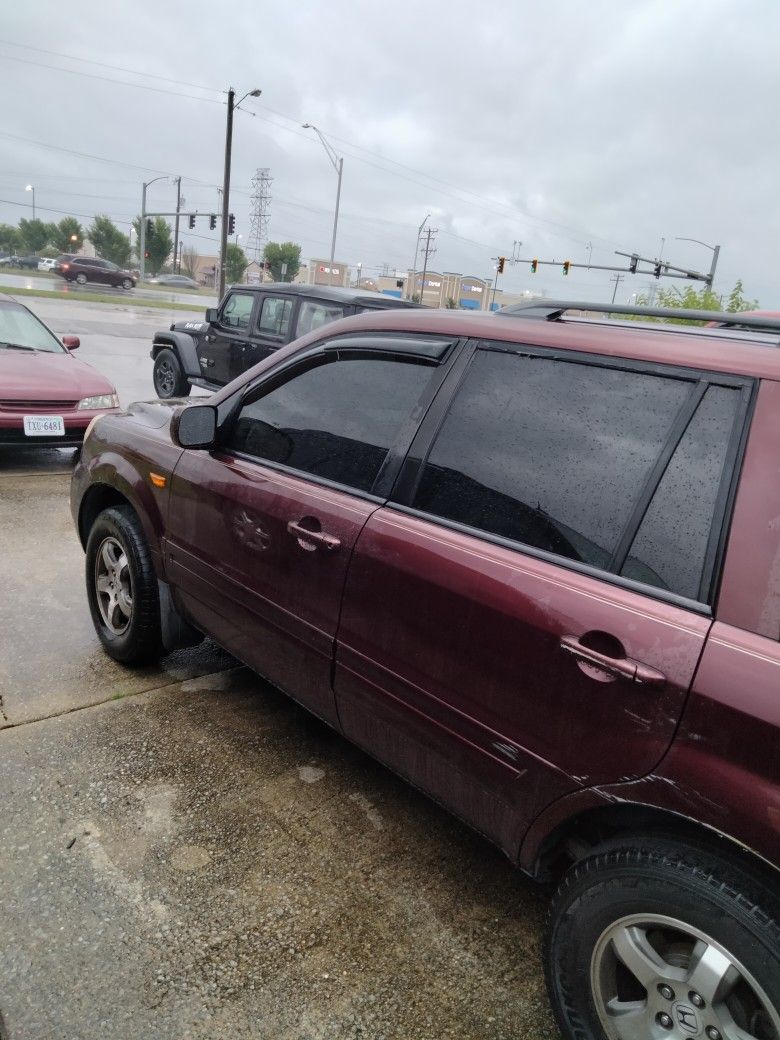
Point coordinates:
pixel 33 280
pixel 185 853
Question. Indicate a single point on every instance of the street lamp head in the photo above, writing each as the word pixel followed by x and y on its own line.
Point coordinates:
pixel 29 188
pixel 255 93
pixel 307 126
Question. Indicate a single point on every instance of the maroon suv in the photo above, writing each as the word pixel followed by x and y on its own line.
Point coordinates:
pixel 83 269
pixel 532 563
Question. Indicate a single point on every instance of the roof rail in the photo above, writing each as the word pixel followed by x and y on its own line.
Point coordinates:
pixel 554 310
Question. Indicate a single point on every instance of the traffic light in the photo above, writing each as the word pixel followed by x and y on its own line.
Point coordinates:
pixel 192 221
pixel 632 263
pixel 501 262
pixel 534 265
pixel 566 266
pixel 231 224
pixel 149 226
pixel 213 222
pixel 657 270
pixel 146 254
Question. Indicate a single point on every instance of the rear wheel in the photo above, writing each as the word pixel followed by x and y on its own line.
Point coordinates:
pixel 122 587
pixel 169 378
pixel 656 940
pixel 81 278
pixel 127 283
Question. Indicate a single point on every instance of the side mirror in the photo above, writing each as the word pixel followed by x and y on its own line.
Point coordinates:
pixel 195 426
pixel 211 315
pixel 71 342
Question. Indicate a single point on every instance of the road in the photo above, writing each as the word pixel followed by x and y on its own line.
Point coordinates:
pixel 185 854
pixel 36 281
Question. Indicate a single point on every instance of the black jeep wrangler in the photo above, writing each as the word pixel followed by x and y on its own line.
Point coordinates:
pixel 249 324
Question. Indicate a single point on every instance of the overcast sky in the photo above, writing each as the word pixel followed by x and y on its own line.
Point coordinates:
pixel 559 124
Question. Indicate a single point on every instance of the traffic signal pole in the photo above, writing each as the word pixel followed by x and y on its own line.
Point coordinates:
pixel 226 192
pixel 142 237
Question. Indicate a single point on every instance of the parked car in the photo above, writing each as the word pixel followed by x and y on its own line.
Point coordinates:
pixel 46 263
pixel 47 396
pixel 31 262
pixel 176 281
pixel 8 260
pixel 531 563
pixel 250 324
pixel 83 269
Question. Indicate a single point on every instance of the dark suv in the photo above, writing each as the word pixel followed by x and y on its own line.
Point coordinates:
pixel 532 563
pixel 249 324
pixel 83 269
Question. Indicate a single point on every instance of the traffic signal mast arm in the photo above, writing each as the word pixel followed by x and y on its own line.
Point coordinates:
pixel 659 269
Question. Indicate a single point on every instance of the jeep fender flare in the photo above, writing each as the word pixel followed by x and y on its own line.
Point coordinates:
pixel 184 345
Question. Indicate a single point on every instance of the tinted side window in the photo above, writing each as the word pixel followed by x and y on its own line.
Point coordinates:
pixel 671 543
pixel 274 317
pixel 549 453
pixel 237 311
pixel 316 313
pixel 335 421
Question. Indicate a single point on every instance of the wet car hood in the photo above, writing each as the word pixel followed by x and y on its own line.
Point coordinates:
pixel 36 375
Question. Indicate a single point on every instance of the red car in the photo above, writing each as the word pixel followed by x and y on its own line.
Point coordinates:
pixel 532 563
pixel 83 269
pixel 47 396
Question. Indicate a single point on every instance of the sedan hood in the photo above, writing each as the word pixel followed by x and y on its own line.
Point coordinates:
pixel 36 375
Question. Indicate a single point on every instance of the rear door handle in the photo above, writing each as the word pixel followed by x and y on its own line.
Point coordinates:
pixel 313 538
pixel 624 667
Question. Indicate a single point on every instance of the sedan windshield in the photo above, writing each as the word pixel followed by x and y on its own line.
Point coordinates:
pixel 20 328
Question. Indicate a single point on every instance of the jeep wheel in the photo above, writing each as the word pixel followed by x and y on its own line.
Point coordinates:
pixel 81 278
pixel 169 379
pixel 658 940
pixel 127 283
pixel 122 587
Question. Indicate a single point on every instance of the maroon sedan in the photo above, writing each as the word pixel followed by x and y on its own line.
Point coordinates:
pixel 532 563
pixel 47 396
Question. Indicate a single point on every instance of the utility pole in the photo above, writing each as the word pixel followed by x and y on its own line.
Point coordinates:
pixel 617 279
pixel 176 229
pixel 428 251
pixel 413 279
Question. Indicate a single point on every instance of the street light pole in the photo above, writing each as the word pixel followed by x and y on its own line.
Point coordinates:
pixel 338 166
pixel 176 228
pixel 142 229
pixel 231 107
pixel 715 250
pixel 32 189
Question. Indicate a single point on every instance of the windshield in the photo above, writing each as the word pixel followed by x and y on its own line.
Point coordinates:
pixel 20 328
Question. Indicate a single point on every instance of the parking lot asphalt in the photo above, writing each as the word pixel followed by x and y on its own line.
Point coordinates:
pixel 185 853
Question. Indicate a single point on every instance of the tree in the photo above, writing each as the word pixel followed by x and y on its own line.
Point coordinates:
pixel 451 304
pixel 703 299
pixel 34 234
pixel 236 263
pixel 62 235
pixel 10 239
pixel 278 253
pixel 159 244
pixel 189 261
pixel 109 242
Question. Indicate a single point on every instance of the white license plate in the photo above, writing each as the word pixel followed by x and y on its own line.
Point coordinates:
pixel 44 426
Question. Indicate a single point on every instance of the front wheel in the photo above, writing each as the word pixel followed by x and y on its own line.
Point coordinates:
pixel 657 940
pixel 122 587
pixel 169 378
pixel 81 279
pixel 127 283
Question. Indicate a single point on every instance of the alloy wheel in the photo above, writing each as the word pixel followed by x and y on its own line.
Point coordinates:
pixel 655 977
pixel 165 378
pixel 113 586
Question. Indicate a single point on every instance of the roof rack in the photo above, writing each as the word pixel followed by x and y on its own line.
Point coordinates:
pixel 554 310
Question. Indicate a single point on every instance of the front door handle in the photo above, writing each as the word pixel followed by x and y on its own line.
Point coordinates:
pixel 624 667
pixel 312 539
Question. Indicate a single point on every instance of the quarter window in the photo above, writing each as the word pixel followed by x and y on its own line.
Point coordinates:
pixel 237 311
pixel 316 313
pixel 275 317
pixel 335 421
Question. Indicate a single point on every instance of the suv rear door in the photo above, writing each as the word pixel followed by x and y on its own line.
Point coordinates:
pixel 227 336
pixel 261 563
pixel 527 615
pixel 272 327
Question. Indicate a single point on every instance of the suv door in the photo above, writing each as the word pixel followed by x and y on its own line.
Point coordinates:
pixel 272 328
pixel 545 573
pixel 230 334
pixel 260 532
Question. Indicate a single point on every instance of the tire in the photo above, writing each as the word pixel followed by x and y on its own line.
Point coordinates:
pixel 127 283
pixel 130 631
pixel 168 375
pixel 663 905
pixel 81 279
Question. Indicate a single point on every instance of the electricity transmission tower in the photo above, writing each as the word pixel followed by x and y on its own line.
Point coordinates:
pixel 260 213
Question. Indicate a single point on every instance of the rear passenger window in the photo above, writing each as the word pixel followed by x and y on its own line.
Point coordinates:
pixel 274 317
pixel 671 543
pixel 556 455
pixel 313 314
